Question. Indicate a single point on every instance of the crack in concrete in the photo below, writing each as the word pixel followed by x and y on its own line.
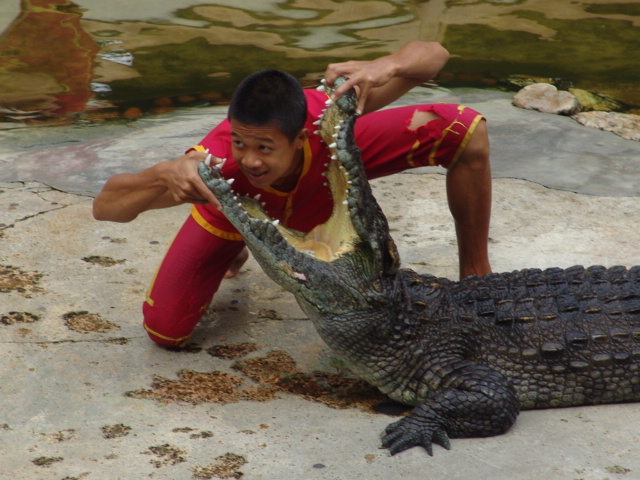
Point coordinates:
pixel 28 217
pixel 115 341
pixel 39 189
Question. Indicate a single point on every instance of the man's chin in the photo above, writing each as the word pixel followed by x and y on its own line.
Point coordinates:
pixel 258 181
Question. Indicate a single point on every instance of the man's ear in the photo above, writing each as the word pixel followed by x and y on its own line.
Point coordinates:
pixel 301 137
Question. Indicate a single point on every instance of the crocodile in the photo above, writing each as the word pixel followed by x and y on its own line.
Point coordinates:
pixel 466 355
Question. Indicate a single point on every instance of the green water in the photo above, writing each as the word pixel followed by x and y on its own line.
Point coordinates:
pixel 62 59
pixel 596 54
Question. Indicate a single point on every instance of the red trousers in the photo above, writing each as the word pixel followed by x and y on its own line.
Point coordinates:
pixel 201 254
pixel 191 267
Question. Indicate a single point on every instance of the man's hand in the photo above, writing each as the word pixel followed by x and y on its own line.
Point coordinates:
pixel 182 180
pixel 361 75
pixel 381 81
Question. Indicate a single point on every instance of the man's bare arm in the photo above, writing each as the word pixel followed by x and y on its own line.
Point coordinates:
pixel 385 79
pixel 166 184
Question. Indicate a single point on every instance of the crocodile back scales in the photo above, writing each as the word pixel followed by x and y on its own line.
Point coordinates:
pixel 562 336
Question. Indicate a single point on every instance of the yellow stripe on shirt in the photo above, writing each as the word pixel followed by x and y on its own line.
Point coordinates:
pixel 235 236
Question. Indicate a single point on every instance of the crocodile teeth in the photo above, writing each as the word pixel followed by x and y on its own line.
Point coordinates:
pixel 317 122
pixel 333 145
pixel 275 223
pixel 230 180
pixel 321 88
pixel 299 276
pixel 323 81
pixel 257 196
pixel 207 161
pixel 329 102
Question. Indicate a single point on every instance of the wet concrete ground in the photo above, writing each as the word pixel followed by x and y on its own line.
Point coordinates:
pixel 85 394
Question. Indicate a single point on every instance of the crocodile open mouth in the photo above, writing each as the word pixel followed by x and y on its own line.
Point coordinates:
pixel 327 241
pixel 329 265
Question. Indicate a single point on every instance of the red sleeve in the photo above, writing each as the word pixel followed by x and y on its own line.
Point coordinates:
pixel 218 141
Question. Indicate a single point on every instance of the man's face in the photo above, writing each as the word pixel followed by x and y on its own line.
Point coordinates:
pixel 266 156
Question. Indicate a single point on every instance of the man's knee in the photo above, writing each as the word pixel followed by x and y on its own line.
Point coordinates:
pixel 168 328
pixel 478 149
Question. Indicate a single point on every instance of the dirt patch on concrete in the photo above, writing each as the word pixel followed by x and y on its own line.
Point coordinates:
pixel 274 373
pixel 46 461
pixel 201 434
pixel 226 466
pixel 269 314
pixel 103 261
pixel 166 455
pixel 115 431
pixel 60 436
pixel 236 350
pixel 12 318
pixel 115 240
pixel 14 279
pixel 85 322
pixel 193 387
pixel 279 371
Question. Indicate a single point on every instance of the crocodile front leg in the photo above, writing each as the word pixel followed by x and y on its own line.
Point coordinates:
pixel 476 402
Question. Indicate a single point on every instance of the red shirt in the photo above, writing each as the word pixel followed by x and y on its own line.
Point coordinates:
pixel 387 144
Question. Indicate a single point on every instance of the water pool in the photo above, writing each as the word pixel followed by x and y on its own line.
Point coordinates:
pixel 91 59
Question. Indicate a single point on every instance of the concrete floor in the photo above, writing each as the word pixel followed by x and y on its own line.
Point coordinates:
pixel 75 350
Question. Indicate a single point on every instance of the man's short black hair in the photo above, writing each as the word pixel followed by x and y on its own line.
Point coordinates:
pixel 270 97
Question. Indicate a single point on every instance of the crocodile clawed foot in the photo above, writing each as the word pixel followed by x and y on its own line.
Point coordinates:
pixel 414 431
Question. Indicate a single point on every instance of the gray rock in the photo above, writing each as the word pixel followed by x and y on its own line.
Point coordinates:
pixel 625 125
pixel 546 98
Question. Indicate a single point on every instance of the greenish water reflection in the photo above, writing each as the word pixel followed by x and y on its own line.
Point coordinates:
pixel 156 54
pixel 597 54
pixel 629 8
pixel 163 69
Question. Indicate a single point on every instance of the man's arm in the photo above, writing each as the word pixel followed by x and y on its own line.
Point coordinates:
pixel 166 184
pixel 385 79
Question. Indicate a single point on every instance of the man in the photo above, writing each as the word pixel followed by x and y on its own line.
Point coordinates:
pixel 271 149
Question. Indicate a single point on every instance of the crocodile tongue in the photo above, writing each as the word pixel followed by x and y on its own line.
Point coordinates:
pixel 348 251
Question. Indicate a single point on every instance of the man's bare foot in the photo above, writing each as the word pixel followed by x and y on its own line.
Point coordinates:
pixel 237 263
